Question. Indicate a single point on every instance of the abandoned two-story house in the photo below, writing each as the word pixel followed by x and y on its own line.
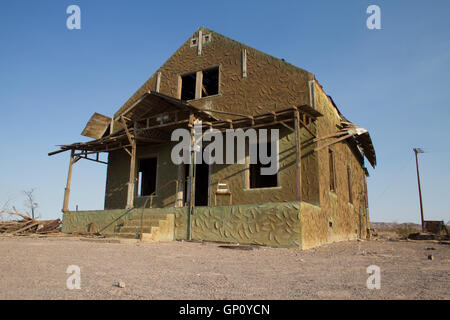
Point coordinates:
pixel 318 195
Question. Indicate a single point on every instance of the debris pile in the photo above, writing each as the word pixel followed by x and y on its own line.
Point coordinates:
pixel 27 225
pixel 427 236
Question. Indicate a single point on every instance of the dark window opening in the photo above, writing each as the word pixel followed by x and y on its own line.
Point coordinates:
pixel 147 176
pixel 188 86
pixel 257 180
pixel 210 84
pixel 332 170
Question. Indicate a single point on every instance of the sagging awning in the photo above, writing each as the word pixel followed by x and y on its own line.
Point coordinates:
pixel 97 126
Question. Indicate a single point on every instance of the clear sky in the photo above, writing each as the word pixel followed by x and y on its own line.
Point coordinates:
pixel 394 82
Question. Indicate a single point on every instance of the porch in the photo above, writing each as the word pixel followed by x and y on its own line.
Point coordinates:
pixel 270 224
pixel 149 123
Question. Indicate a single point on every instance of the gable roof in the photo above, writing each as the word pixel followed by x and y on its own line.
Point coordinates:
pixel 214 34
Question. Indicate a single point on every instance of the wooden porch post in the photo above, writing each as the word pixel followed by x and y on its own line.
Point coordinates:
pixel 298 155
pixel 180 189
pixel 130 194
pixel 69 179
pixel 191 177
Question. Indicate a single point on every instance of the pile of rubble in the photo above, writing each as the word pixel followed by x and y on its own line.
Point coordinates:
pixel 27 225
pixel 428 236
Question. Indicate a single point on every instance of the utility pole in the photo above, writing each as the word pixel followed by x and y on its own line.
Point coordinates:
pixel 416 151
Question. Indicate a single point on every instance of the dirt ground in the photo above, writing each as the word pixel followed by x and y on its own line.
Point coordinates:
pixel 32 268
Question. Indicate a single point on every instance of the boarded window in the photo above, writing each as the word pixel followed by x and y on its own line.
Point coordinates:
pixel 210 84
pixel 147 176
pixel 349 178
pixel 188 86
pixel 257 180
pixel 332 170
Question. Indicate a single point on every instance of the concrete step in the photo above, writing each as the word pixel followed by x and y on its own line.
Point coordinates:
pixel 145 223
pixel 153 236
pixel 150 228
pixel 111 240
pixel 135 229
pixel 148 216
pixel 122 235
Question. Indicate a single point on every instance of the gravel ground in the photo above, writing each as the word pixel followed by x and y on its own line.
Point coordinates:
pixel 33 268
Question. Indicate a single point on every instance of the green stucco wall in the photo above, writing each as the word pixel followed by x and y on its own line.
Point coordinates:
pixel 272 224
pixel 282 224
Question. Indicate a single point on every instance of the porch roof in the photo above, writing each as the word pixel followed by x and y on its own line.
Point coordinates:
pixel 153 103
pixel 152 118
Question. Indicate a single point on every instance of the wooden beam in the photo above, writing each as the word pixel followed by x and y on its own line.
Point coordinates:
pixel 163 125
pixel 340 133
pixel 69 180
pixel 200 42
pixel 158 81
pixel 244 63
pixel 130 193
pixel 150 140
pixel 126 130
pixel 180 186
pixel 335 141
pixel 180 83
pixel 58 151
pixel 285 125
pixel 146 118
pixel 204 90
pixel 128 151
pixel 191 177
pixel 198 84
pixel 95 160
pixel 306 127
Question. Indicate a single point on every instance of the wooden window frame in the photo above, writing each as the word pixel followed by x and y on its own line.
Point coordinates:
pixel 199 83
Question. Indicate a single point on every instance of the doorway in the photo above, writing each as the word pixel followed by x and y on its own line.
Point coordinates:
pixel 201 184
pixel 147 170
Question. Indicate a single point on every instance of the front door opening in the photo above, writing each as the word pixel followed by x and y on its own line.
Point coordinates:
pixel 147 176
pixel 201 184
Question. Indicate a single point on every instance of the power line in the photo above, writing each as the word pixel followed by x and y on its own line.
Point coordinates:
pixel 405 165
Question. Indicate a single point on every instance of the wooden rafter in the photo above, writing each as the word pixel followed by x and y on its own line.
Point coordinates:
pixel 335 141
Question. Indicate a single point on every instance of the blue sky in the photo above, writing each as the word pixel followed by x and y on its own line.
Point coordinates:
pixel 393 82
